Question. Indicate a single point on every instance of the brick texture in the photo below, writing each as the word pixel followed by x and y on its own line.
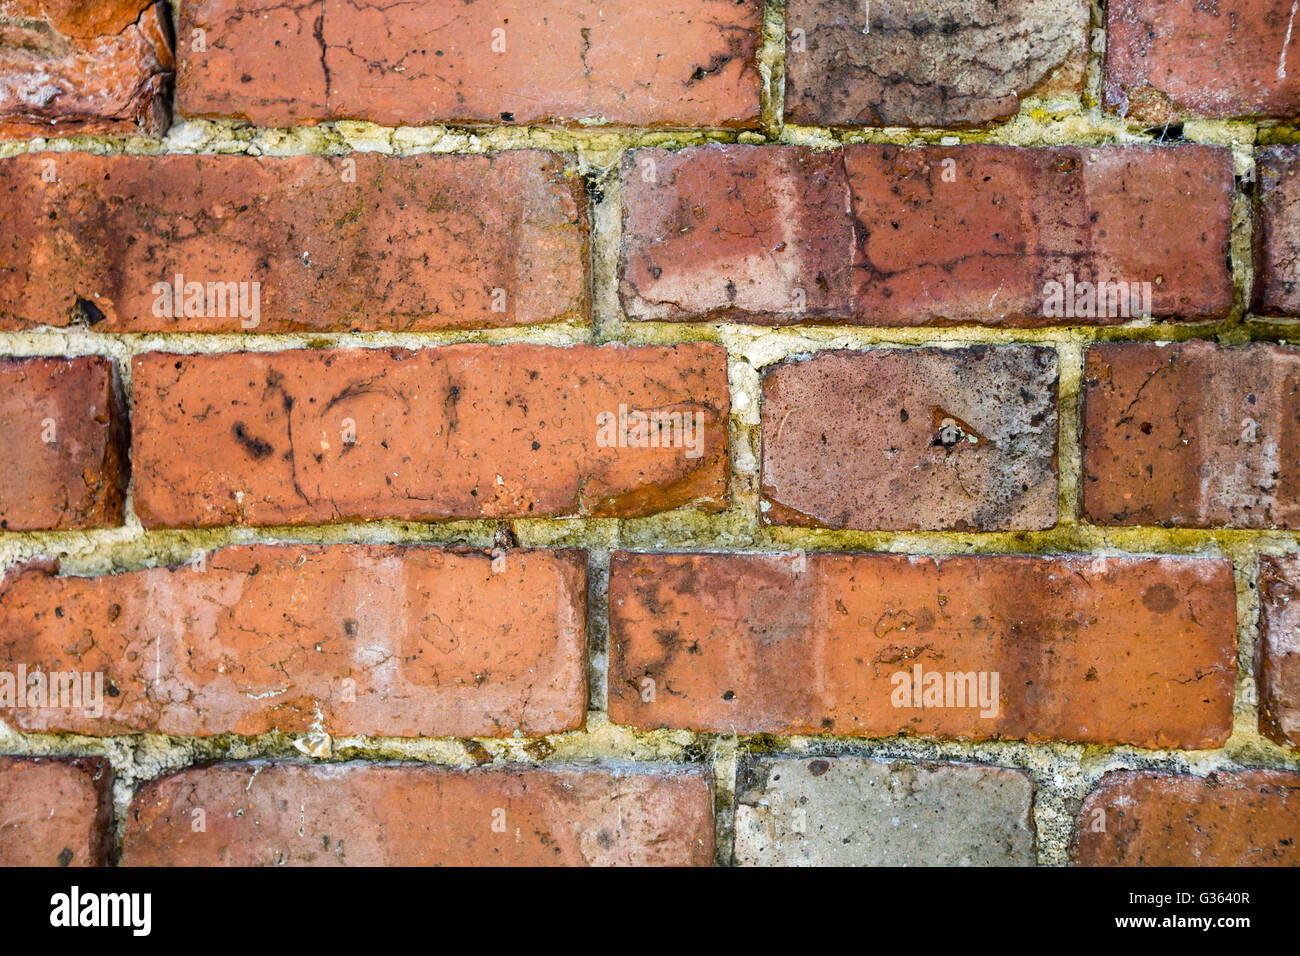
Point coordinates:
pixel 55 811
pixel 1225 819
pixel 1278 665
pixel 71 67
pixel 878 235
pixel 465 431
pixel 311 242
pixel 847 811
pixel 475 422
pixel 1096 650
pixel 928 63
pixel 1192 435
pixel 1277 231
pixel 419 816
pixel 923 438
pixel 63 431
pixel 1165 61
pixel 680 63
pixel 346 639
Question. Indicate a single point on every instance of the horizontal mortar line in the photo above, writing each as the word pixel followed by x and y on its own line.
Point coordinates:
pixel 43 340
pixel 1089 128
pixel 651 746
pixel 50 341
pixel 477 534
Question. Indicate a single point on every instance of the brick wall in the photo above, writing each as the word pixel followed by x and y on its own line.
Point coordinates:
pixel 701 432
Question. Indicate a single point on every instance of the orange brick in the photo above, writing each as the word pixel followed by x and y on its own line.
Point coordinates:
pixel 341 815
pixel 55 811
pixel 75 67
pixel 929 235
pixel 1278 664
pixel 679 63
pixel 381 640
pixel 1095 650
pixel 1191 435
pixel 465 431
pixel 1134 818
pixel 63 431
pixel 1165 61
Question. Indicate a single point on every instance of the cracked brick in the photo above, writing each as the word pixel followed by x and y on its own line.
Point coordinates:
pixel 931 235
pixel 684 63
pixel 1192 435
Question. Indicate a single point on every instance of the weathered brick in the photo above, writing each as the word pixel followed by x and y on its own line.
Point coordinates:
pixel 912 438
pixel 1278 665
pixel 345 639
pixel 1098 650
pixel 55 811
pixel 456 432
pixel 1194 435
pixel 1136 818
pixel 71 67
pixel 364 242
pixel 1166 61
pixel 1277 231
pixel 882 235
pixel 287 814
pixel 682 63
pixel 64 437
pixel 849 811
pixel 928 62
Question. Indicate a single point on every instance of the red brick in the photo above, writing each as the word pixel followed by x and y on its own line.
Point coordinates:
pixel 1095 650
pixel 341 815
pixel 1192 435
pixel 71 67
pixel 1165 61
pixel 1278 663
pixel 363 242
pixel 64 435
pixel 1277 231
pixel 683 63
pixel 912 438
pixel 346 639
pixel 55 811
pixel 465 431
pixel 1226 819
pixel 882 235
pixel 928 63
